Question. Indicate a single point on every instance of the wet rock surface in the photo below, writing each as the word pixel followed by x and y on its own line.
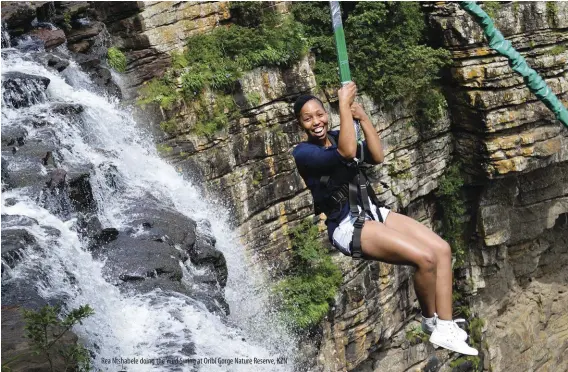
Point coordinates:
pixel 23 90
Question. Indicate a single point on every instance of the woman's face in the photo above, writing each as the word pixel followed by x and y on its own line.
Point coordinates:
pixel 314 119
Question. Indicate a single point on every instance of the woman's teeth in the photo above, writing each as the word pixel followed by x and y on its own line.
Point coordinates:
pixel 318 131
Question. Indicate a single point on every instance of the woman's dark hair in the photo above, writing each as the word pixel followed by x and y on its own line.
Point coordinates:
pixel 301 101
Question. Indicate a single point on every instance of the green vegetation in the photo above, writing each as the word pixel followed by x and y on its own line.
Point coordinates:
pixel 169 126
pixel 163 148
pixel 161 91
pixel 515 7
pixel 386 49
pixel 44 330
pixel 476 331
pixel 557 50
pixel 213 62
pixel 551 12
pixel 400 169
pixel 430 107
pixel 453 208
pixel 253 98
pixel 462 310
pixel 416 335
pixel 311 284
pixel 385 45
pixel 116 59
pixel 67 21
pixel 214 113
pixel 473 360
pixel 257 178
pixel 491 8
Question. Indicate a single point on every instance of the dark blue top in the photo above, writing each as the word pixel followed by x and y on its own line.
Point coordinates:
pixel 314 161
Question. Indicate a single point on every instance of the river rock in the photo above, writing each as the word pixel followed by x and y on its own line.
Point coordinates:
pixel 50 38
pixel 14 241
pixel 23 90
pixel 18 16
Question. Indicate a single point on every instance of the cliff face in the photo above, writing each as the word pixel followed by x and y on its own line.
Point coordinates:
pixel 512 149
pixel 515 154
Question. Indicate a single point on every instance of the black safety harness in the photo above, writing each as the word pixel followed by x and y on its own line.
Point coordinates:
pixel 359 185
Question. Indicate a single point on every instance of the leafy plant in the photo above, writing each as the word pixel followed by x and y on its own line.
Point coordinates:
pixel 164 148
pixel 551 12
pixel 253 98
pixel 161 91
pixel 473 360
pixel 213 63
pixel 387 54
pixel 116 59
pixel 45 330
pixel 491 8
pixel 311 284
pixel 169 126
pixel 476 330
pixel 214 113
pixel 257 178
pixel 430 107
pixel 416 335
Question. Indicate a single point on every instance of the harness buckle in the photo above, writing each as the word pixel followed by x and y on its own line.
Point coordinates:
pixel 359 222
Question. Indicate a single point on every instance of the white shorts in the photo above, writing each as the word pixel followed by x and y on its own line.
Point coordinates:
pixel 343 234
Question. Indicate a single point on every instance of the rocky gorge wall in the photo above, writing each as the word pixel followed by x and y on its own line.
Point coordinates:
pixel 514 153
pixel 517 156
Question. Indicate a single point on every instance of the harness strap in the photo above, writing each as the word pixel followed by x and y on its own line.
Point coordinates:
pixel 359 185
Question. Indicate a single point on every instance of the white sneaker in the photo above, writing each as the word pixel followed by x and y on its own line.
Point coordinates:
pixel 447 336
pixel 461 332
pixel 428 325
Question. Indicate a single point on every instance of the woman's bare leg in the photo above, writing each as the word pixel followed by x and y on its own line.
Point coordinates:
pixel 382 243
pixel 440 247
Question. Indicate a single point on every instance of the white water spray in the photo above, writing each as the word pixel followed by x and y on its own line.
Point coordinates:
pixel 164 329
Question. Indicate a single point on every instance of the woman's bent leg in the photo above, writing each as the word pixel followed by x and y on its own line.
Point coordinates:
pixel 440 247
pixel 382 243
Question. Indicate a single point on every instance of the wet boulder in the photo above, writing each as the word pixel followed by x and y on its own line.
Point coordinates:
pixel 13 135
pixel 14 241
pixel 19 292
pixel 18 16
pixel 23 90
pixel 50 38
pixel 56 62
pixel 205 255
pixel 81 193
pixel 67 109
pixel 157 221
pixel 134 260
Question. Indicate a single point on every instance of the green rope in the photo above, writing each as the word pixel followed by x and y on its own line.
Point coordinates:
pixel 343 62
pixel 517 62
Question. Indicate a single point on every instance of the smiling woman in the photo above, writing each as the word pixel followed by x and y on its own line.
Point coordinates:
pixel 358 224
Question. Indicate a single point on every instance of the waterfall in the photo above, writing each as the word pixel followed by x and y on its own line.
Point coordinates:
pixel 158 327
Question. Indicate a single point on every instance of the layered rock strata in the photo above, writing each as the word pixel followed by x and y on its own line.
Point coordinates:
pixel 516 154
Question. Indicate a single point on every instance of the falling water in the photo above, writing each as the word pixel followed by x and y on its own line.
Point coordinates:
pixel 157 324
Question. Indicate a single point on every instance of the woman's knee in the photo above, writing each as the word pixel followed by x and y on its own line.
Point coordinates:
pixel 427 260
pixel 443 250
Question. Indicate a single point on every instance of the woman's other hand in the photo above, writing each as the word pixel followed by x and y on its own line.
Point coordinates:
pixel 358 112
pixel 347 94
